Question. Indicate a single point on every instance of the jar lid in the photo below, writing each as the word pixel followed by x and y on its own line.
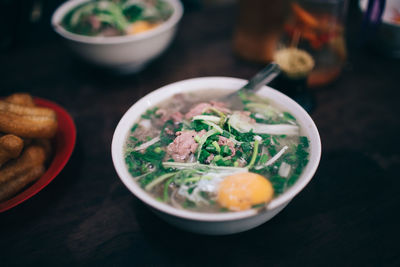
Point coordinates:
pixel 294 62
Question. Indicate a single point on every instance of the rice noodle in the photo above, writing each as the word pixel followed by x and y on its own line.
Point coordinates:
pixel 143 175
pixel 159 180
pixel 277 156
pixel 210 118
pixel 244 125
pixel 284 170
pixel 147 144
pixel 183 165
pixel 173 200
pixel 191 159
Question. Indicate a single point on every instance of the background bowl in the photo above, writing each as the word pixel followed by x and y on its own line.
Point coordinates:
pixel 214 223
pixel 124 54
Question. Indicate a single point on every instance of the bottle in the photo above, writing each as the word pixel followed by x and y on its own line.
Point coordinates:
pixel 317 26
pixel 296 66
pixel 258 28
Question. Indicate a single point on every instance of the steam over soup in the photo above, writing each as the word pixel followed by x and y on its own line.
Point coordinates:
pixel 195 153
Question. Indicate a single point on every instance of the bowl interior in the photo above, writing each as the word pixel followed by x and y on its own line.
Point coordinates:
pixel 68 5
pixel 63 146
pixel 221 83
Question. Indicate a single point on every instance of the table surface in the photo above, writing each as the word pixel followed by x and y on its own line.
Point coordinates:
pixel 345 216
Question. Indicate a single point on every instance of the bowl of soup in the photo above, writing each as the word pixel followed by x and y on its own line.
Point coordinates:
pixel 122 35
pixel 211 163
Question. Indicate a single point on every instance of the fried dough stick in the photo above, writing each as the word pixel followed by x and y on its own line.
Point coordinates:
pixel 26 111
pixel 12 187
pixel 33 155
pixel 27 122
pixel 10 147
pixel 22 99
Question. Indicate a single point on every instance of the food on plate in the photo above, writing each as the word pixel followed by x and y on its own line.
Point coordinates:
pixel 12 187
pixel 199 154
pixel 27 121
pixel 33 155
pixel 115 18
pixel 22 99
pixel 10 147
pixel 25 143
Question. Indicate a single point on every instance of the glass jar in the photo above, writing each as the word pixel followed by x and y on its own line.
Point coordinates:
pixel 317 26
pixel 258 28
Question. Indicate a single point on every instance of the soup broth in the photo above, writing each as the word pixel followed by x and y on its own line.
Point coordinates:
pixel 196 153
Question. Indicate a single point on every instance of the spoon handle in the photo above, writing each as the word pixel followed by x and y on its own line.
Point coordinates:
pixel 263 77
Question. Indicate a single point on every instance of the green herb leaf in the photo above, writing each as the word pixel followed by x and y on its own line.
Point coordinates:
pixel 288 116
pixel 134 127
pixel 188 204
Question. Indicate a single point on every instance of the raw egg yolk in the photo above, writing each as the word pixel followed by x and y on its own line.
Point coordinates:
pixel 243 190
pixel 140 26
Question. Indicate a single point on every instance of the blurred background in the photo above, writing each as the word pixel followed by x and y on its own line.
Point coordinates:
pixel 257 29
pixel 28 21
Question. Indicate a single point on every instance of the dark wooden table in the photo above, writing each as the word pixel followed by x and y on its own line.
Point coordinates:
pixel 347 215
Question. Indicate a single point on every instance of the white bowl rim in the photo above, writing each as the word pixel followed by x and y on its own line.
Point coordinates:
pixel 60 12
pixel 131 116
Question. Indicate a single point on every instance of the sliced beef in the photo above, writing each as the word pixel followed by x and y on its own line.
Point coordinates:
pixel 184 145
pixel 245 116
pixel 109 31
pixel 94 22
pixel 204 107
pixel 176 116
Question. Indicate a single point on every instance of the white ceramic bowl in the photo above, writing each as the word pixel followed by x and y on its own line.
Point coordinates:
pixel 214 223
pixel 125 54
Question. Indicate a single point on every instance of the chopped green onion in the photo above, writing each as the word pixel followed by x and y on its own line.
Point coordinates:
pixel 217 157
pixel 288 116
pixel 134 127
pixel 158 149
pixel 225 151
pixel 263 159
pixel 254 156
pixel 213 125
pixel 217 147
pixel 203 139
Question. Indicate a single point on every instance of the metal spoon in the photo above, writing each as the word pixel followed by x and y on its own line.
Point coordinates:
pixel 263 77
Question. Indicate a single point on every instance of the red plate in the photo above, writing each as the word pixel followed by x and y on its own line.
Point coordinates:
pixel 64 145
